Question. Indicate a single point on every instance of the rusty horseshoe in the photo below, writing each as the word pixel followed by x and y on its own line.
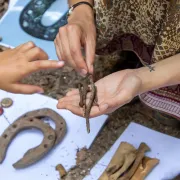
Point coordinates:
pixel 34 154
pixel 60 123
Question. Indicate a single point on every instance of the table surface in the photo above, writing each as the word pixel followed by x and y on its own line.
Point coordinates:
pixel 64 153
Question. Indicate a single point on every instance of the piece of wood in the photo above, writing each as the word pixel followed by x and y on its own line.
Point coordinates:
pixel 118 160
pixel 129 159
pixel 62 172
pixel 145 168
pixel 140 154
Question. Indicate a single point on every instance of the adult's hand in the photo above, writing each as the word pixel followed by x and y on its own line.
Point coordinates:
pixel 113 91
pixel 79 33
pixel 17 63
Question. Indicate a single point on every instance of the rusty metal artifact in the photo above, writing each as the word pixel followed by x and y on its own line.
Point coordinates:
pixel 31 120
pixel 60 123
pixel 83 90
pixel 34 154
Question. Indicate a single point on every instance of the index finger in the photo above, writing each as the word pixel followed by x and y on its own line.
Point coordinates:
pixel 90 53
pixel 75 49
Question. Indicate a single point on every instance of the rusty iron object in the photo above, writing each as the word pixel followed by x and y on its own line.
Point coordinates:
pixel 34 154
pixel 83 91
pixel 60 123
pixel 32 120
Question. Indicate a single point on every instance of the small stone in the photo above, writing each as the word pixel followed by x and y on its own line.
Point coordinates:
pixel 1 111
pixel 6 102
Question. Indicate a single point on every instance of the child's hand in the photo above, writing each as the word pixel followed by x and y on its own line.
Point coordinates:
pixel 15 64
pixel 113 91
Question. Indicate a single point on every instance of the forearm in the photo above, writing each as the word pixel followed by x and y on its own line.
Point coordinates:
pixel 71 2
pixel 166 73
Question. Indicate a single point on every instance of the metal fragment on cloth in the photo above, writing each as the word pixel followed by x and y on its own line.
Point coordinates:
pixel 60 123
pixel 31 120
pixel 35 154
pixel 6 102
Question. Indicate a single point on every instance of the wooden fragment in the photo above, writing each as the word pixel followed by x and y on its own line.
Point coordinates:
pixel 61 169
pixel 145 168
pixel 118 160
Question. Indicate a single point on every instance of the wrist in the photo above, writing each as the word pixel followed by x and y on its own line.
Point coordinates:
pixel 146 80
pixel 72 2
pixel 152 80
pixel 82 11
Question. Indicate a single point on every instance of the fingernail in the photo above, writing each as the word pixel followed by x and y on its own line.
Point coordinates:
pixel 40 92
pixel 83 71
pixel 61 63
pixel 103 107
pixel 92 68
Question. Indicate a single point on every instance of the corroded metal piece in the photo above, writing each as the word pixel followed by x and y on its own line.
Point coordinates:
pixel 6 102
pixel 60 123
pixel 34 154
pixel 83 90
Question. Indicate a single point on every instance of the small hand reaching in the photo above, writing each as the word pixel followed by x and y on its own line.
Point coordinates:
pixel 17 63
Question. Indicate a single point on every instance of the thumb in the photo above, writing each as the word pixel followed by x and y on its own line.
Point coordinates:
pixel 26 89
pixel 114 103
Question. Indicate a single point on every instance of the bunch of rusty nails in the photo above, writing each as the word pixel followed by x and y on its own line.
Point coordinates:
pixel 84 89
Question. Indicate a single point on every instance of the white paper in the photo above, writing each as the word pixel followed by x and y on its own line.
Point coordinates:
pixel 64 153
pixel 163 147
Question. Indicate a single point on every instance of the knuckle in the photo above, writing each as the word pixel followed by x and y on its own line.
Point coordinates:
pixel 72 28
pixel 21 56
pixel 62 30
pixel 37 64
pixel 73 51
pixel 38 50
pixel 30 44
